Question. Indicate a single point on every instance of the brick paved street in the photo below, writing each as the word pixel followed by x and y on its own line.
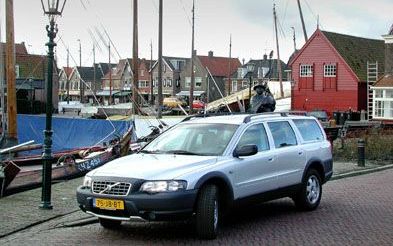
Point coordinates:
pixel 353 211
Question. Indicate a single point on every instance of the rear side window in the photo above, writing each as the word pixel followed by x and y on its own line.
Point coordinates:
pixel 283 134
pixel 255 134
pixel 309 129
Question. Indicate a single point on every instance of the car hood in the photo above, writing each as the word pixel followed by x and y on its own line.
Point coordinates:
pixel 153 166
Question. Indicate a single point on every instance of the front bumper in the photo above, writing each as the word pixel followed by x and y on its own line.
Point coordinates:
pixel 141 206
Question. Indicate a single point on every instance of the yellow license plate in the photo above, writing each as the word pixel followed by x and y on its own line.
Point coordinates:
pixel 109 204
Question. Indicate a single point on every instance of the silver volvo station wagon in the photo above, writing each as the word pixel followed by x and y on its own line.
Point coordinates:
pixel 204 166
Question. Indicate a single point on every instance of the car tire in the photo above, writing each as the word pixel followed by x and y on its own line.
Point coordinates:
pixel 109 224
pixel 207 212
pixel 309 197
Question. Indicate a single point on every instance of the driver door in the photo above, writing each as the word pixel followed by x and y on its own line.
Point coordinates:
pixel 254 174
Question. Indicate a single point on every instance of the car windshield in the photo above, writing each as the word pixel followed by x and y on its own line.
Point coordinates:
pixel 193 139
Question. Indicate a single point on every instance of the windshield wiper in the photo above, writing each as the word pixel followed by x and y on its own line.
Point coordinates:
pixel 181 152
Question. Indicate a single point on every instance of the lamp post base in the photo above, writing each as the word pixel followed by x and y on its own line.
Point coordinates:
pixel 46 206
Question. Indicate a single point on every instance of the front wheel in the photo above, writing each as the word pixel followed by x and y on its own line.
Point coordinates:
pixel 207 212
pixel 109 224
pixel 310 194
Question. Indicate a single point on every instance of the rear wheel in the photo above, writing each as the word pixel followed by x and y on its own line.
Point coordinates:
pixel 109 224
pixel 310 194
pixel 208 212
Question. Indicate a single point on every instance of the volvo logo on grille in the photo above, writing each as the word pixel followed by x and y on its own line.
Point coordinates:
pixel 109 187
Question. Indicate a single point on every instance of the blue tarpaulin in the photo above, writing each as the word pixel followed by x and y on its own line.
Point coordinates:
pixel 70 133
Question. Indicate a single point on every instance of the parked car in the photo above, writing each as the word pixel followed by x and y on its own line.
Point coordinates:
pixel 202 167
pixel 198 104
pixel 173 102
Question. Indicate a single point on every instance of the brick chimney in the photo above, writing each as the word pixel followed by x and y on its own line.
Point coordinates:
pixel 210 54
pixel 389 51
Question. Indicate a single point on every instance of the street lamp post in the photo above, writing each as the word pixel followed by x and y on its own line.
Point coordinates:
pixel 249 89
pixel 52 9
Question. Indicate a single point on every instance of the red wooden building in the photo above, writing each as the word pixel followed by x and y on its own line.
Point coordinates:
pixel 330 72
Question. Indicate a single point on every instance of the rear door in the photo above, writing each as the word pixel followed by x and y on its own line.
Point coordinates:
pixel 289 157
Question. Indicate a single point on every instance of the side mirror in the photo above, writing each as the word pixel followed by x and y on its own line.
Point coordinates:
pixel 245 150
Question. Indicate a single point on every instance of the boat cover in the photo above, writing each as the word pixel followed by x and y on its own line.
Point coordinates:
pixel 70 133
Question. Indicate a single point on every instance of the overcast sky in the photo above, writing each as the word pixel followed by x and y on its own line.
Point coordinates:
pixel 250 22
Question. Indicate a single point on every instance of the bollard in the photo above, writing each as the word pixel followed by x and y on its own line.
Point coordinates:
pixel 361 153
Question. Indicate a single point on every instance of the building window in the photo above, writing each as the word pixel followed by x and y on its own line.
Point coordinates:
pixel 198 81
pixel 306 70
pixel 329 70
pixel 383 104
pixel 245 83
pixel 17 71
pixel 379 94
pixel 239 73
pixel 142 72
pixel 234 85
pixel 143 84
pixel 188 81
pixel 169 82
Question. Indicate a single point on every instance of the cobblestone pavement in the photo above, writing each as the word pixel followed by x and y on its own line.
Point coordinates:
pixel 353 211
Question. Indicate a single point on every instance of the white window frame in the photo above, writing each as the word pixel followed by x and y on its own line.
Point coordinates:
pixel 306 70
pixel 198 81
pixel 234 86
pixel 17 74
pixel 383 106
pixel 245 83
pixel 143 84
pixel 330 70
pixel 239 73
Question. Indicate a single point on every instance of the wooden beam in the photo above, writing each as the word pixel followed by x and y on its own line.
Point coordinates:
pixel 10 71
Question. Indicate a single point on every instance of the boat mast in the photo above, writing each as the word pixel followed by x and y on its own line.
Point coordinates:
pixel 3 119
pixel 67 79
pixel 135 62
pixel 191 100
pixel 151 74
pixel 230 67
pixel 294 38
pixel 82 84
pixel 302 20
pixel 110 74
pixel 278 53
pixel 10 72
pixel 159 101
pixel 94 71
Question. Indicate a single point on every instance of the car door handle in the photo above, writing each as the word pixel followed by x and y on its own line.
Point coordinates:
pixel 300 153
pixel 270 159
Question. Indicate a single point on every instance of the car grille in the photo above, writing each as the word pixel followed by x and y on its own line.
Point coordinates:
pixel 111 188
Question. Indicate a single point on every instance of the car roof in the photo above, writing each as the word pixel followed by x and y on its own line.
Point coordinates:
pixel 238 119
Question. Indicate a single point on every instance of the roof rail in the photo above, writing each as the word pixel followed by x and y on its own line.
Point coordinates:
pixel 210 115
pixel 282 113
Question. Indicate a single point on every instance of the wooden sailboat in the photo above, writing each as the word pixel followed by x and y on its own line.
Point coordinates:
pixel 69 165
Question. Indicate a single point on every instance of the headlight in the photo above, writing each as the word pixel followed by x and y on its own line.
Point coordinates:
pixel 87 181
pixel 163 186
